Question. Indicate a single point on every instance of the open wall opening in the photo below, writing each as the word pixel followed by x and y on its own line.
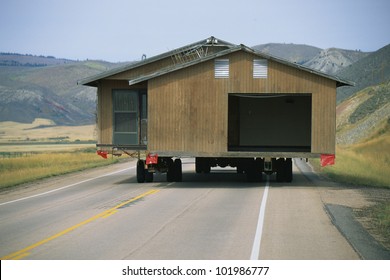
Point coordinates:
pixel 265 122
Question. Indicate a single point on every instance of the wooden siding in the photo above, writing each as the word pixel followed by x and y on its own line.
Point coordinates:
pixel 188 108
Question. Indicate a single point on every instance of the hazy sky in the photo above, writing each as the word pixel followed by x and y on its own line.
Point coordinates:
pixel 124 30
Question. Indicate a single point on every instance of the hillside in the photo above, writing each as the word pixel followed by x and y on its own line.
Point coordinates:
pixel 333 60
pixel 371 70
pixel 292 52
pixel 28 91
pixel 365 115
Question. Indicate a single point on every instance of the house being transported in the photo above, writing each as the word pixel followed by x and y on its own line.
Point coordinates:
pixel 223 104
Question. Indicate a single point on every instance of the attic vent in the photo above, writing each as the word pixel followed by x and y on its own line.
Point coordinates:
pixel 260 68
pixel 221 68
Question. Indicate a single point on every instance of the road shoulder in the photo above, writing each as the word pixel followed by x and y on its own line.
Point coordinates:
pixel 347 206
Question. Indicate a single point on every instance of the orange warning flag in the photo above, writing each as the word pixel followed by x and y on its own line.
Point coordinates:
pixel 327 159
pixel 103 154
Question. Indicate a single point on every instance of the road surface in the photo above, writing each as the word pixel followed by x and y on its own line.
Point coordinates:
pixel 105 214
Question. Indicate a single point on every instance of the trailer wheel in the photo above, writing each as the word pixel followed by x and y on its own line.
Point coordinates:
pixel 178 174
pixel 170 172
pixel 140 171
pixel 288 171
pixel 280 170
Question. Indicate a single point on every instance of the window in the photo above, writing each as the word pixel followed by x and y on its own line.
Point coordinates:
pixel 260 68
pixel 221 68
pixel 130 117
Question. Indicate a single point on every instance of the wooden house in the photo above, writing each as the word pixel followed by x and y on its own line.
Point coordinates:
pixel 218 102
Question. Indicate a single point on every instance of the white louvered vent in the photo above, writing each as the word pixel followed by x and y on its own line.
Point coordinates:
pixel 221 68
pixel 260 68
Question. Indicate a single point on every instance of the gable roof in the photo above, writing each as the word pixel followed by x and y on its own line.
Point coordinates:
pixel 193 54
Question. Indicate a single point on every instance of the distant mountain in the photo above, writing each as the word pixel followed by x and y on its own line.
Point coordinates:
pixel 333 60
pixel 371 70
pixel 29 60
pixel 292 52
pixel 29 91
pixel 329 61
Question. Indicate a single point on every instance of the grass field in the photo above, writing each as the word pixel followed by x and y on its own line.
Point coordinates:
pixel 365 163
pixel 43 130
pixel 18 170
pixel 31 151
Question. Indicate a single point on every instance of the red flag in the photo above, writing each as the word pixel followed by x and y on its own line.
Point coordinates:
pixel 103 154
pixel 327 159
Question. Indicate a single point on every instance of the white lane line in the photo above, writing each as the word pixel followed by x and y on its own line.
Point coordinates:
pixel 65 187
pixel 260 222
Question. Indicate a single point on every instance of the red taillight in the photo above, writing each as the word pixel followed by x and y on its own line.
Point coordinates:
pixel 151 159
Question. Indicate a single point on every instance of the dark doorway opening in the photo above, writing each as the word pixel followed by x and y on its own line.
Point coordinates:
pixel 269 123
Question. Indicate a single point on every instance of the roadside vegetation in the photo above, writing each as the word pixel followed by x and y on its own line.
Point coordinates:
pixel 379 215
pixel 18 170
pixel 365 164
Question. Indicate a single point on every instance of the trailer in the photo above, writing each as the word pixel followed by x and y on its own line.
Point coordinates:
pixel 220 103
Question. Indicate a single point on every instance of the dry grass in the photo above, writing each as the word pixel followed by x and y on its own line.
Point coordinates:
pixel 29 148
pixel 366 163
pixel 44 130
pixel 14 171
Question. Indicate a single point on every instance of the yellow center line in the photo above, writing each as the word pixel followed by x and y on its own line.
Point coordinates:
pixel 25 252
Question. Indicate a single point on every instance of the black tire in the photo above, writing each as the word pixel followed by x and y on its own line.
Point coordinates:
pixel 171 171
pixel 280 170
pixel 288 171
pixel 178 174
pixel 140 171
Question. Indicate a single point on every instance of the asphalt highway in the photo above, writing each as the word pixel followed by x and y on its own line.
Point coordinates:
pixel 105 214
